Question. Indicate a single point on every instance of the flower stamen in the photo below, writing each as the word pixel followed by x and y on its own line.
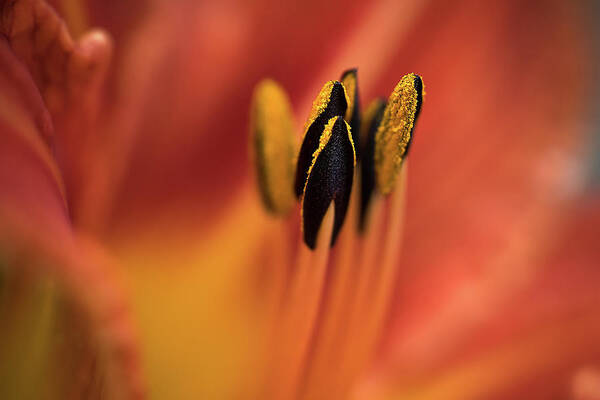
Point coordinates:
pixel 329 179
pixel 394 134
pixel 273 146
pixel 371 121
pixel 379 256
pixel 350 81
pixel 299 311
pixel 330 308
pixel 332 101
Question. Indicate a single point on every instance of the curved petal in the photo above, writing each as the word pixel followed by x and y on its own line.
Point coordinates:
pixel 497 157
pixel 498 163
pixel 69 76
pixel 533 345
pixel 58 294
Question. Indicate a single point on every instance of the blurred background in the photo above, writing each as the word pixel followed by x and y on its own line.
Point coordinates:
pixel 128 191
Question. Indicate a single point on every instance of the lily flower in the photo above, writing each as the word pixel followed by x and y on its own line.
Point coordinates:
pixel 145 252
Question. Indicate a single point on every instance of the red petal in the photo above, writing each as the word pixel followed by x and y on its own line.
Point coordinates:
pixel 529 346
pixel 496 153
pixel 179 124
pixel 68 75
pixel 37 244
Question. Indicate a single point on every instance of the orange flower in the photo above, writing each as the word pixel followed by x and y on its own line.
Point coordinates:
pixel 138 260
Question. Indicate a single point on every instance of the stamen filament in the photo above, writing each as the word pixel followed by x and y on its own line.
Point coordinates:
pixel 376 274
pixel 299 312
pixel 324 315
pixel 332 316
pixel 276 267
pixel 272 289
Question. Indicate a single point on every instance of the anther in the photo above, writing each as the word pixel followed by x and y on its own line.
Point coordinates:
pixel 350 81
pixel 394 135
pixel 371 121
pixel 331 102
pixel 329 178
pixel 273 146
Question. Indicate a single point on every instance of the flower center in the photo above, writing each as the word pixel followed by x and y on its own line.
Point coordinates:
pixel 330 303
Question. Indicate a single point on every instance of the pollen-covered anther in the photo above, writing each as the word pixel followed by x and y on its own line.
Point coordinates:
pixel 350 81
pixel 394 134
pixel 332 101
pixel 329 178
pixel 273 146
pixel 370 123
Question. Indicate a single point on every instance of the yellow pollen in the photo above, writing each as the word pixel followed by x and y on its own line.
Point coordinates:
pixel 349 83
pixel 367 118
pixel 323 140
pixel 320 104
pixel 394 132
pixel 351 141
pixel 273 146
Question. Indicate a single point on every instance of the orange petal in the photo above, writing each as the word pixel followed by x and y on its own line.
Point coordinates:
pixel 52 278
pixel 533 345
pixel 68 75
pixel 182 73
pixel 497 156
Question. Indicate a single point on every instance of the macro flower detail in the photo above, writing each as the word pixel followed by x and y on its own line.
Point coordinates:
pixel 395 130
pixel 350 81
pixel 329 150
pixel 332 101
pixel 322 287
pixel 329 180
pixel 370 124
pixel 273 146
pixel 168 216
